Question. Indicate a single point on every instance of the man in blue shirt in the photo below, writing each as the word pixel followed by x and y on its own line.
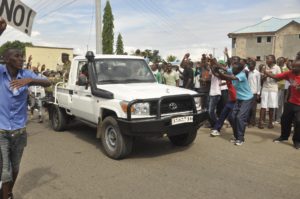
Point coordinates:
pixel 242 107
pixel 14 83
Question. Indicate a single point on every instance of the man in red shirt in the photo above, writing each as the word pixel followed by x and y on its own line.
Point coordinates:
pixel 292 107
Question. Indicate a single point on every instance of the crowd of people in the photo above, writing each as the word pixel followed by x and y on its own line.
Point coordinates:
pixel 233 89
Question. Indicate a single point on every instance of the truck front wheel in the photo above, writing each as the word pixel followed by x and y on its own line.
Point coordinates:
pixel 115 144
pixel 183 139
pixel 58 118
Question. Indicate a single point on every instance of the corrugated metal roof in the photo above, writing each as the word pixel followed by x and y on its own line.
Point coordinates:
pixel 270 25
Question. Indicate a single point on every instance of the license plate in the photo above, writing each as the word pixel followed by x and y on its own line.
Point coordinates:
pixel 181 120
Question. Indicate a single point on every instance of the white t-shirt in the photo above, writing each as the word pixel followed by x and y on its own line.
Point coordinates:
pixel 197 81
pixel 271 84
pixel 254 81
pixel 224 85
pixel 179 74
pixel 215 88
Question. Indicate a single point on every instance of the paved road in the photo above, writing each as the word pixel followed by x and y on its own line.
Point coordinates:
pixel 71 165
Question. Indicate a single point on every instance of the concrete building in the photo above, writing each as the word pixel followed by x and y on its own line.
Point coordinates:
pixel 280 37
pixel 50 56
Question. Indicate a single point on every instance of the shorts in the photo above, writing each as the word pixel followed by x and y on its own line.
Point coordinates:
pixel 269 99
pixel 12 144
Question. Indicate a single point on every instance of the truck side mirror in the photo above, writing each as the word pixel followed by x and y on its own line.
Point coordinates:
pixel 82 80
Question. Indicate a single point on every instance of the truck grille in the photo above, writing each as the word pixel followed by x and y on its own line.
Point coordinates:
pixel 171 105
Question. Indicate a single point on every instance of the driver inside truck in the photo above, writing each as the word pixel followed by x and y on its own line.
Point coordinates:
pixel 84 74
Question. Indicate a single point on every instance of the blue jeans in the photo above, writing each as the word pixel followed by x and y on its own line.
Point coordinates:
pixel 239 117
pixel 12 145
pixel 224 114
pixel 212 106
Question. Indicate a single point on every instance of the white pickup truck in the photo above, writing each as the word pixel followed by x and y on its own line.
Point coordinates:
pixel 121 97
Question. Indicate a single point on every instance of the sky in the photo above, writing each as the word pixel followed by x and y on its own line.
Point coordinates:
pixel 174 27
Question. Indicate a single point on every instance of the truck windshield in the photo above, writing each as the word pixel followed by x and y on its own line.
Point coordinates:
pixel 114 71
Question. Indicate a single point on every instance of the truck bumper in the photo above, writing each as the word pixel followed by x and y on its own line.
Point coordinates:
pixel 159 127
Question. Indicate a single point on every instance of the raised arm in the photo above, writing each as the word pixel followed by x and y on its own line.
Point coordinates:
pixel 268 74
pixel 18 83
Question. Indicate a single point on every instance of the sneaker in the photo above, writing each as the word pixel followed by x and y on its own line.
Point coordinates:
pixel 214 133
pixel 232 140
pixel 280 139
pixel 239 142
pixel 297 145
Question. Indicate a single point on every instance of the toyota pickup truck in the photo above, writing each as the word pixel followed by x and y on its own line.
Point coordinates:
pixel 121 97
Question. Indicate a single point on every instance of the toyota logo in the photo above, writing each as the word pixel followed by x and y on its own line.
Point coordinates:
pixel 173 106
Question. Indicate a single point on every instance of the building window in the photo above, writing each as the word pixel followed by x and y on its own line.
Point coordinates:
pixel 269 39
pixel 258 58
pixel 233 42
pixel 258 39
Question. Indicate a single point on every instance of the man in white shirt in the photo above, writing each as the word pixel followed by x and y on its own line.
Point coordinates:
pixel 269 94
pixel 214 98
pixel 255 85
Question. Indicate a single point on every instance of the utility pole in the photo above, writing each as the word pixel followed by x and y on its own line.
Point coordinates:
pixel 214 50
pixel 98 27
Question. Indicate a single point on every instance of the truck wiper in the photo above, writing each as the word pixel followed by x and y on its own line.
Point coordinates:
pixel 110 81
pixel 133 80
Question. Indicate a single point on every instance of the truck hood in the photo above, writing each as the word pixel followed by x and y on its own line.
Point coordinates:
pixel 132 91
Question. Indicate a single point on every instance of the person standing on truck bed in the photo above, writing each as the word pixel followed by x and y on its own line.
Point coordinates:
pixel 66 65
pixel 14 83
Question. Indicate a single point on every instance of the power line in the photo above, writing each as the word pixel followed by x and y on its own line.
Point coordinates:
pixel 158 8
pixel 56 9
pixel 157 21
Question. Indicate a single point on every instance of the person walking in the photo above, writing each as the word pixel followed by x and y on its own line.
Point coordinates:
pixel 14 83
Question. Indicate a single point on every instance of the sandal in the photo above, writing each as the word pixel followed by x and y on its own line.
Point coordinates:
pixel 271 126
pixel 260 126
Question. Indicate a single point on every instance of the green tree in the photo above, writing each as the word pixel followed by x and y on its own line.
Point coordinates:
pixel 108 30
pixel 15 44
pixel 171 58
pixel 120 45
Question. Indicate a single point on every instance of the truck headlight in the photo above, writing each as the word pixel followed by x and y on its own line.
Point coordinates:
pixel 141 109
pixel 197 102
pixel 136 109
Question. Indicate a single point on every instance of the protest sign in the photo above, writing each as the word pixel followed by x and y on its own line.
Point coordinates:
pixel 17 14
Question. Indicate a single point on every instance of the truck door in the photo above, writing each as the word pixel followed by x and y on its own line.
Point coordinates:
pixel 83 102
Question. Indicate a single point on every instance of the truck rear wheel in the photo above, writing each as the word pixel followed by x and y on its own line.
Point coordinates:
pixel 183 139
pixel 58 118
pixel 115 144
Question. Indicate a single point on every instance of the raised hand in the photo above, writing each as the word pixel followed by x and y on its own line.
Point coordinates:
pixel 2 25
